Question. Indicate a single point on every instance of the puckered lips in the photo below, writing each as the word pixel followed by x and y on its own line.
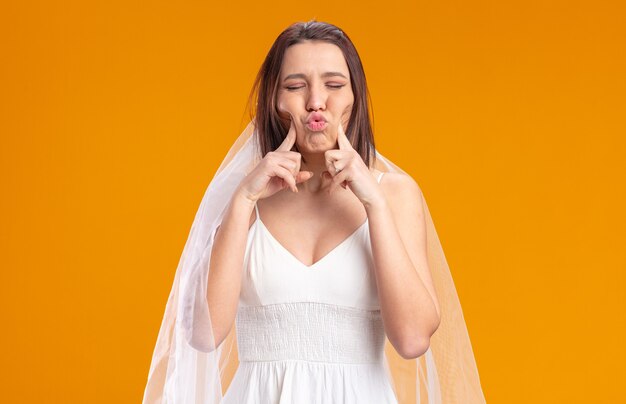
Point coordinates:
pixel 316 122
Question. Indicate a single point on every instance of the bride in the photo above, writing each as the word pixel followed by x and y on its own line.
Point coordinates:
pixel 318 249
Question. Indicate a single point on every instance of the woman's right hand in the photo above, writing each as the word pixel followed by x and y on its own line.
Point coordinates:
pixel 278 170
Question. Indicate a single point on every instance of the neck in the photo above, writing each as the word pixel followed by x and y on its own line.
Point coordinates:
pixel 321 179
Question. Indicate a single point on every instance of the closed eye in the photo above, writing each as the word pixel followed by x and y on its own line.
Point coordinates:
pixel 337 86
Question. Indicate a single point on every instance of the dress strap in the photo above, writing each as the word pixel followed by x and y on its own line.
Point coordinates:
pixel 380 176
pixel 256 207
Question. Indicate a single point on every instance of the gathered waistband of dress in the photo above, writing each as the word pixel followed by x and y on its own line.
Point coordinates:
pixel 310 331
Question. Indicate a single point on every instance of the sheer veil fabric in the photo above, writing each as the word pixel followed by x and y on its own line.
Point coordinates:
pixel 188 368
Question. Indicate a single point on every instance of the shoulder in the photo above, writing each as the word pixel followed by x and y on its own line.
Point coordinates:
pixel 404 197
pixel 399 186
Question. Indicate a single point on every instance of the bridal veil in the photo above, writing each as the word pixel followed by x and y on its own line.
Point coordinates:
pixel 188 368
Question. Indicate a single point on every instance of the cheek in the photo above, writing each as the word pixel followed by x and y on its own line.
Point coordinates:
pixel 344 103
pixel 286 111
pixel 350 102
pixel 285 107
pixel 347 109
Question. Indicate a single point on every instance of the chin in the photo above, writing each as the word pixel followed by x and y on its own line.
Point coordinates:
pixel 309 147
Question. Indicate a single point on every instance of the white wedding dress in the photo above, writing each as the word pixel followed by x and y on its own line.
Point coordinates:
pixel 309 333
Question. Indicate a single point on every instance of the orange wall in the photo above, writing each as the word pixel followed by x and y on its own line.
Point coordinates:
pixel 510 115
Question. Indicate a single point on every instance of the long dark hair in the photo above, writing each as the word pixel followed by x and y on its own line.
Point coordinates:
pixel 270 129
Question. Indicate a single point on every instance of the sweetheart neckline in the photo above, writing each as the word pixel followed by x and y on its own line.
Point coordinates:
pixel 324 258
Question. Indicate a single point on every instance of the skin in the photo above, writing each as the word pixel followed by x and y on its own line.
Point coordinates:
pixel 297 187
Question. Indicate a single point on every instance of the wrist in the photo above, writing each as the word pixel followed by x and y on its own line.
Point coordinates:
pixel 240 198
pixel 376 204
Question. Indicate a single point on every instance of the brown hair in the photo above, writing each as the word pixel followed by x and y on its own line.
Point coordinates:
pixel 271 131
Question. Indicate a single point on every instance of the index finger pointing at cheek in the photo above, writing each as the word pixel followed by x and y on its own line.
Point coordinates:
pixel 290 139
pixel 342 140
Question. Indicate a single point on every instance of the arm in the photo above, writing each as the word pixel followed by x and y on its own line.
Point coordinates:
pixel 408 301
pixel 224 280
pixel 276 171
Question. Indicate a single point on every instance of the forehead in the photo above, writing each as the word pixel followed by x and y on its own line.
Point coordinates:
pixel 313 58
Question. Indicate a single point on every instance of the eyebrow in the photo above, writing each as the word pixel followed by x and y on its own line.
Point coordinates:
pixel 302 76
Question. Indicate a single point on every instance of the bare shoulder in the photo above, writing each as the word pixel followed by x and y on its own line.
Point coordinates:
pixel 399 187
pixel 404 197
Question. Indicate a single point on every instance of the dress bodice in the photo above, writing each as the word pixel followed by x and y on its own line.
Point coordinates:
pixel 309 333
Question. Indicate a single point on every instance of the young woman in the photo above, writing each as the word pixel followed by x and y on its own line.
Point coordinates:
pixel 318 249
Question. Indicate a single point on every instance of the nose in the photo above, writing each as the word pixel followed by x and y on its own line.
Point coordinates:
pixel 316 99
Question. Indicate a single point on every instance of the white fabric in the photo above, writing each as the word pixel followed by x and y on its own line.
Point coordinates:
pixel 309 333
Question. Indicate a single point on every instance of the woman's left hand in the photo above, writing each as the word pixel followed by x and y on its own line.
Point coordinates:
pixel 348 170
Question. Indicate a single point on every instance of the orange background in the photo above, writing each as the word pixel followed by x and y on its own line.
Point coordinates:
pixel 115 115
